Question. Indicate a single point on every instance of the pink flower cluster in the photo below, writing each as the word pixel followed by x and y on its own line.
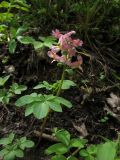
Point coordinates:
pixel 65 51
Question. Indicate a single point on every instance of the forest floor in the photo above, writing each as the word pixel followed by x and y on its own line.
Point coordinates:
pixel 87 118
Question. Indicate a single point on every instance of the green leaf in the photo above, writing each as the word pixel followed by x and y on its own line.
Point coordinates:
pixel 63 101
pixel 58 148
pixel 3 80
pixel 106 151
pixel 23 139
pixel 72 158
pixel 29 144
pixel 40 110
pixel 28 110
pixel 22 3
pixel 70 71
pixel 5 4
pixel 63 136
pixel 6 17
pixel 54 106
pixel 76 142
pixel 84 153
pixel 44 85
pixel 27 99
pixel 92 149
pixel 50 97
pixel 11 137
pixel 12 45
pixel 48 41
pixel 3 152
pixel 17 89
pixel 38 44
pixel 26 144
pixel 19 153
pixel 117 76
pixel 10 155
pixel 25 39
pixel 39 86
pixel 90 157
pixel 21 30
pixel 20 8
pixel 67 84
pixel 58 157
pixel 13 32
pixel 37 97
pixel 8 140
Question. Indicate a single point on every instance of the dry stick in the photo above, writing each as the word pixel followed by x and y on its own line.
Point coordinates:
pixel 57 94
pixel 75 152
pixel 6 108
pixel 46 136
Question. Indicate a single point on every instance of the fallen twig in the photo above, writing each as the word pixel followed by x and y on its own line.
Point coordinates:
pixel 45 136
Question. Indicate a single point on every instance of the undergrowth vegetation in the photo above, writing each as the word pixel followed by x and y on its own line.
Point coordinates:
pixel 48 49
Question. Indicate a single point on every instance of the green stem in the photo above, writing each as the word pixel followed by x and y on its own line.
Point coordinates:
pixel 61 82
pixel 57 94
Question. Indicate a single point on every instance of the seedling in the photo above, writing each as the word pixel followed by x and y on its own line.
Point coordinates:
pixel 14 147
pixel 65 145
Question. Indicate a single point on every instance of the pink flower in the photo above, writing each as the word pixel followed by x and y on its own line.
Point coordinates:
pixel 56 55
pixel 55 49
pixel 71 52
pixel 65 52
pixel 75 62
pixel 56 33
pixel 77 42
pixel 66 39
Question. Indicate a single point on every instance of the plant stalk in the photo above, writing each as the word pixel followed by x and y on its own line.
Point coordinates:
pixel 57 94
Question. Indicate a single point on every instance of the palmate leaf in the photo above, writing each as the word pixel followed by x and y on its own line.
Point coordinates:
pixel 39 104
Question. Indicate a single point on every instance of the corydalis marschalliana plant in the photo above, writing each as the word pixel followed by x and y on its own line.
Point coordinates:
pixel 65 51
